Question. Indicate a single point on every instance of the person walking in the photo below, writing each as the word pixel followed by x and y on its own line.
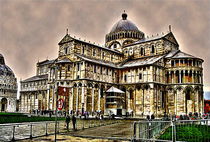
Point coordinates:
pixel 74 121
pixel 67 122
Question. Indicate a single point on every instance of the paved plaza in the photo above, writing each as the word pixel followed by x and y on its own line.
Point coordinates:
pixel 85 128
pixel 67 138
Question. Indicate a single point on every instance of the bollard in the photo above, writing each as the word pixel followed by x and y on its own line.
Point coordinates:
pixel 46 130
pixel 31 131
pixel 173 130
pixel 13 133
pixel 134 131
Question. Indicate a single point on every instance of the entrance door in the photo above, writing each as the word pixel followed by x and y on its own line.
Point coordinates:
pixel 119 111
pixel 3 104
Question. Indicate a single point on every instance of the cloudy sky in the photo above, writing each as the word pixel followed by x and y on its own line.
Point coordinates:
pixel 31 29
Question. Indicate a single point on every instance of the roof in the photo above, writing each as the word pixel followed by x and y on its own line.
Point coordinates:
pixel 4 69
pixel 114 90
pixel 142 61
pixel 124 25
pixel 157 37
pixel 46 62
pixel 68 38
pixel 181 54
pixel 65 60
pixel 97 61
pixel 129 63
pixel 171 54
pixel 36 78
pixel 177 54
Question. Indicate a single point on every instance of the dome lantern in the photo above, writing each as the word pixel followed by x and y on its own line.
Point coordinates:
pixel 124 16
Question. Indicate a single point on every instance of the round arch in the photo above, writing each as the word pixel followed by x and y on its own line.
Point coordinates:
pixel 3 104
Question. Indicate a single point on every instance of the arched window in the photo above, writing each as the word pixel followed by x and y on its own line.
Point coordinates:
pixel 66 50
pixel 94 68
pixel 172 63
pixel 125 78
pixel 126 35
pixel 140 76
pixel 94 52
pixel 152 49
pixel 69 68
pixel 102 55
pixel 142 52
pixel 83 50
pixel 115 45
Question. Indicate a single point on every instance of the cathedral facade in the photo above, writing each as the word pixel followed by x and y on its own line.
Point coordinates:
pixel 8 88
pixel 153 75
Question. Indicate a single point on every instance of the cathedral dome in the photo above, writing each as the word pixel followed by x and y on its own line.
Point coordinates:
pixel 124 25
pixel 4 69
pixel 122 33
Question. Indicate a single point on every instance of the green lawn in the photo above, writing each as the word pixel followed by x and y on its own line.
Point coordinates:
pixel 19 117
pixel 189 133
pixel 9 113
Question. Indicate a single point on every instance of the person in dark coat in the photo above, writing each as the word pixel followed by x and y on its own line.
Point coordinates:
pixel 74 121
pixel 67 122
pixel 152 117
pixel 148 117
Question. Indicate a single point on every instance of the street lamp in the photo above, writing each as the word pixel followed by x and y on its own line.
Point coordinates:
pixel 56 98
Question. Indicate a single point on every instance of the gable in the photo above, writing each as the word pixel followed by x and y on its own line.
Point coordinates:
pixel 66 38
pixel 170 37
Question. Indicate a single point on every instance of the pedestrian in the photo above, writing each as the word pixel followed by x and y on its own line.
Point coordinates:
pixel 50 114
pixel 74 121
pixel 67 122
pixel 152 116
pixel 148 117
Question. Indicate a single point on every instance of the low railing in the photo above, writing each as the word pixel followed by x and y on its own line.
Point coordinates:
pixel 29 130
pixel 179 130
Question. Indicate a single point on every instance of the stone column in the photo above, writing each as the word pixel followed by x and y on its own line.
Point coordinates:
pixel 72 99
pixel 26 102
pixel 99 98
pixel 77 97
pixel 128 99
pixel 169 77
pixel 83 98
pixel 83 94
pixel 184 102
pixel 180 77
pixel 152 100
pixel 172 76
pixel 201 78
pixel 197 103
pixel 184 76
pixel 48 97
pixel 93 99
pixel 69 100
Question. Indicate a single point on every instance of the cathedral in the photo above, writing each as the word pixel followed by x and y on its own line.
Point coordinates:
pixel 8 88
pixel 131 74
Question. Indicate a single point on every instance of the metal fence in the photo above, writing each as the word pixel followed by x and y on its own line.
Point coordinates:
pixel 19 131
pixel 180 130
